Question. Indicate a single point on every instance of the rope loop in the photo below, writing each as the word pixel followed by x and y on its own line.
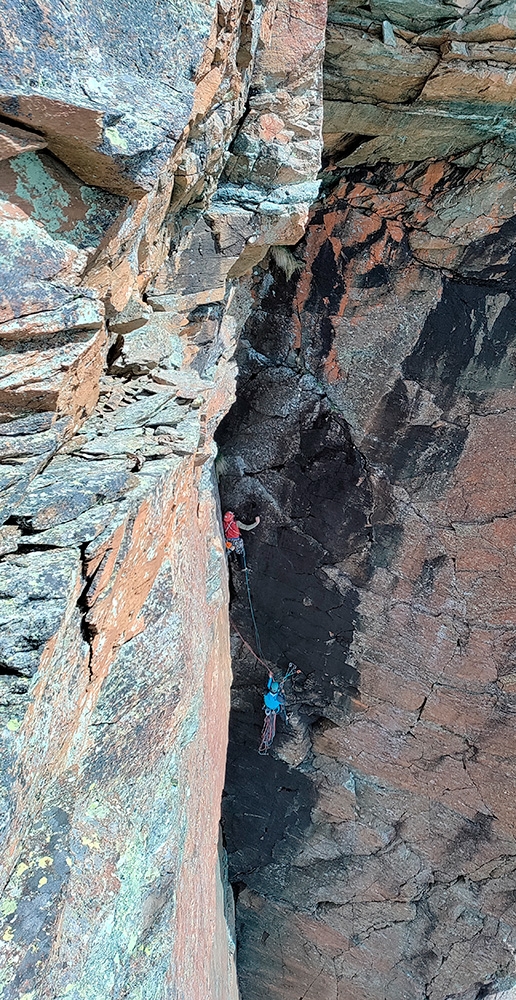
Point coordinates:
pixel 268 731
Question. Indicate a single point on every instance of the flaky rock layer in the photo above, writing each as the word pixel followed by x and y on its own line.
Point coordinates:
pixel 122 218
pixel 161 206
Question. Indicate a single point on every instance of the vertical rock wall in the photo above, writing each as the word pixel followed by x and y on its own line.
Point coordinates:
pixel 373 851
pixel 149 158
pixel 124 226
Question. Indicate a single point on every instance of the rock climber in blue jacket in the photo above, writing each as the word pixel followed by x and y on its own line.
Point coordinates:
pixel 274 703
pixel 274 698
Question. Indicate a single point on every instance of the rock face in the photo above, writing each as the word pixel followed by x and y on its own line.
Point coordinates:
pixel 411 80
pixel 157 162
pixel 122 218
pixel 373 850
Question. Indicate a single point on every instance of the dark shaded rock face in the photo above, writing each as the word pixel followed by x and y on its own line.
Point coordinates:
pixel 373 849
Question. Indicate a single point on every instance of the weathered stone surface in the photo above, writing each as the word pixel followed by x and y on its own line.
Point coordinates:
pixel 126 598
pixel 66 92
pixel 63 376
pixel 32 260
pixel 142 598
pixel 67 488
pixel 393 133
pixel 157 343
pixel 114 881
pixel 50 194
pixel 143 626
pixel 394 94
pixel 9 536
pixel 359 67
pixel 373 851
pixel 16 140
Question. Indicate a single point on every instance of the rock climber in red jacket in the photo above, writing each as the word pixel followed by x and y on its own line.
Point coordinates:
pixel 234 542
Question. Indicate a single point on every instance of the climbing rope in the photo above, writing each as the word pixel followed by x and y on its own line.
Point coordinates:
pixel 251 609
pixel 274 698
pixel 268 731
pixel 249 647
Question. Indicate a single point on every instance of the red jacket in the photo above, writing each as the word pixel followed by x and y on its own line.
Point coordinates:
pixel 231 529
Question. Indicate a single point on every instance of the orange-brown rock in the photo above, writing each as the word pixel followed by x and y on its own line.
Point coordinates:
pixel 373 851
pixel 117 325
pixel 150 158
pixel 16 140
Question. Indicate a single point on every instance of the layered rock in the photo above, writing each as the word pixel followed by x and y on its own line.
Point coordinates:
pixel 373 851
pixel 406 81
pixel 120 228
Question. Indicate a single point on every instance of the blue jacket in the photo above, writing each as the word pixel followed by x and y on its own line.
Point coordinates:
pixel 272 701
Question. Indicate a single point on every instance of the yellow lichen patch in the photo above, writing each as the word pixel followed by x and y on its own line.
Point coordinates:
pixel 8 906
pixel 43 881
pixel 90 843
pixel 8 934
pixel 13 725
pixel 21 868
pixel 45 861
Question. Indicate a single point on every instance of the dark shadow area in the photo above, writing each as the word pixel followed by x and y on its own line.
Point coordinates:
pixel 287 455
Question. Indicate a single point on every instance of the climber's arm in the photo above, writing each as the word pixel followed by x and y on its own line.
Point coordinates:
pixel 248 527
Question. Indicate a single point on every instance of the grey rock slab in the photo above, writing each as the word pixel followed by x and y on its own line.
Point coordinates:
pixel 125 444
pixel 187 384
pixel 414 14
pixel 134 315
pixel 80 313
pixel 116 444
pixel 9 475
pixel 184 439
pixel 170 416
pixel 64 466
pixel 139 413
pixel 15 480
pixel 83 528
pixel 34 423
pixel 28 444
pixel 156 343
pixel 68 489
pixel 9 538
pixel 35 588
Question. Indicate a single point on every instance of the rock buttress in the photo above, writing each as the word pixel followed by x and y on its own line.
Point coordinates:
pixel 123 239
pixel 372 853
